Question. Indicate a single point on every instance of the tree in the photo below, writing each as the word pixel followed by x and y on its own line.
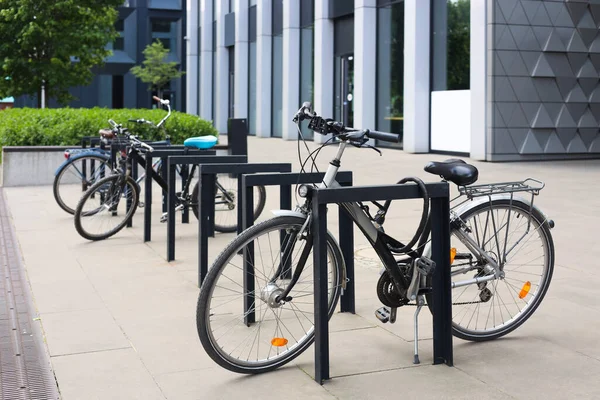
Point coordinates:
pixel 459 42
pixel 53 44
pixel 155 70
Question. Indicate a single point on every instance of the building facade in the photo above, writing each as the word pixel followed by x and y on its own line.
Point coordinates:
pixel 497 80
pixel 140 23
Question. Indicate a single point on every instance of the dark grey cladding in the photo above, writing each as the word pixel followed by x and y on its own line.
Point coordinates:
pixel 545 78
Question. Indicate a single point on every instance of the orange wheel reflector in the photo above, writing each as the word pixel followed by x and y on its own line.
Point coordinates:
pixel 279 342
pixel 452 254
pixel 525 290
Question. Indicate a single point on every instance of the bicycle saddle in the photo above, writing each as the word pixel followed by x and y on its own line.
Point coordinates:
pixel 106 133
pixel 200 142
pixel 454 170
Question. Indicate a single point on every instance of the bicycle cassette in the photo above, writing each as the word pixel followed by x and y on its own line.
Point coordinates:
pixel 386 292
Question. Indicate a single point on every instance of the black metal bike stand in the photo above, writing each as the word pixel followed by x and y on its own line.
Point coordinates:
pixel 185 161
pixel 92 141
pixel 206 201
pixel 163 154
pixel 285 182
pixel 440 237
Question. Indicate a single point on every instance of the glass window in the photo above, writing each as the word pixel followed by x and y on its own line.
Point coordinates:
pixel 119 42
pixel 307 58
pixel 390 68
pixel 165 31
pixel 105 91
pixel 252 89
pixel 214 71
pixel 252 70
pixel 277 72
pixel 277 90
pixel 451 44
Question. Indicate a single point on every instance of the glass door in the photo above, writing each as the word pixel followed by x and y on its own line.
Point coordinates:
pixel 231 82
pixel 344 107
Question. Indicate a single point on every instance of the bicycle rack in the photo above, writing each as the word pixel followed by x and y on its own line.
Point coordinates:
pixel 93 141
pixel 440 237
pixel 187 160
pixel 163 154
pixel 206 201
pixel 285 182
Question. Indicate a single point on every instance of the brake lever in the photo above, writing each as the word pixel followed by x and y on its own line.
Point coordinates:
pixel 374 148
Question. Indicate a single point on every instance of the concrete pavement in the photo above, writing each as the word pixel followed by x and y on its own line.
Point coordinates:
pixel 119 321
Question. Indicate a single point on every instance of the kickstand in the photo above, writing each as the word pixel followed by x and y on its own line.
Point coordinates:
pixel 420 302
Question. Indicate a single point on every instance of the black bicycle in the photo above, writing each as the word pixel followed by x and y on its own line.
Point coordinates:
pixel 255 309
pixel 107 205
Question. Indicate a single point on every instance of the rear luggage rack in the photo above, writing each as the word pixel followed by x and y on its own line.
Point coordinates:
pixel 530 185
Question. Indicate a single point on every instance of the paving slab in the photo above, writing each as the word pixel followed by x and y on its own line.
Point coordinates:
pixel 95 297
pixel 115 374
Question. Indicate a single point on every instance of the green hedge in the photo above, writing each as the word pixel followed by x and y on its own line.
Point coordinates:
pixel 66 126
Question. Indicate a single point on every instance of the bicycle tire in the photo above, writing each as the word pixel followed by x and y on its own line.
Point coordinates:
pixel 258 208
pixel 204 312
pixel 112 181
pixel 56 186
pixel 540 224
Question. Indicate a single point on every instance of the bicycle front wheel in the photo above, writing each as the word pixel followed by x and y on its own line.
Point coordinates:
pixel 76 176
pixel 106 207
pixel 240 324
pixel 519 240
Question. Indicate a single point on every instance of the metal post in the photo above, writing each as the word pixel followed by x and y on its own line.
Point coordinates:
pixel 248 257
pixel 84 167
pixel 211 212
pixel 240 205
pixel 164 172
pixel 346 234
pixel 185 172
pixel 206 201
pixel 442 289
pixel 285 203
pixel 319 232
pixel 134 170
pixel 171 202
pixel 148 198
pixel 128 197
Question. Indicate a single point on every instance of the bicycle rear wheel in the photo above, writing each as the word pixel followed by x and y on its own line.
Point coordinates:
pixel 492 309
pixel 71 182
pixel 102 211
pixel 245 330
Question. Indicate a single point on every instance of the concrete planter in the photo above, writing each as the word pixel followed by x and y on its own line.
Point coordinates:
pixel 35 165
pixel 31 165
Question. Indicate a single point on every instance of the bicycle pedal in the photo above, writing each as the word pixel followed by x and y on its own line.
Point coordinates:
pixel 383 314
pixel 141 204
pixel 425 266
pixel 163 218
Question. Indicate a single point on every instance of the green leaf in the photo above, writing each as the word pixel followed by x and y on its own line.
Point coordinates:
pixel 155 70
pixel 66 126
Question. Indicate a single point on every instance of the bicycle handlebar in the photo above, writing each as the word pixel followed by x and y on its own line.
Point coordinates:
pixel 140 143
pixel 383 136
pixel 324 127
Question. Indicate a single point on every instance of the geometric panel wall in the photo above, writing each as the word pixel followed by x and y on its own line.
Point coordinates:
pixel 546 77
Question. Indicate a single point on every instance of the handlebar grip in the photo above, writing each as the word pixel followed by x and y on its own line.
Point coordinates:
pixel 384 136
pixel 156 98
